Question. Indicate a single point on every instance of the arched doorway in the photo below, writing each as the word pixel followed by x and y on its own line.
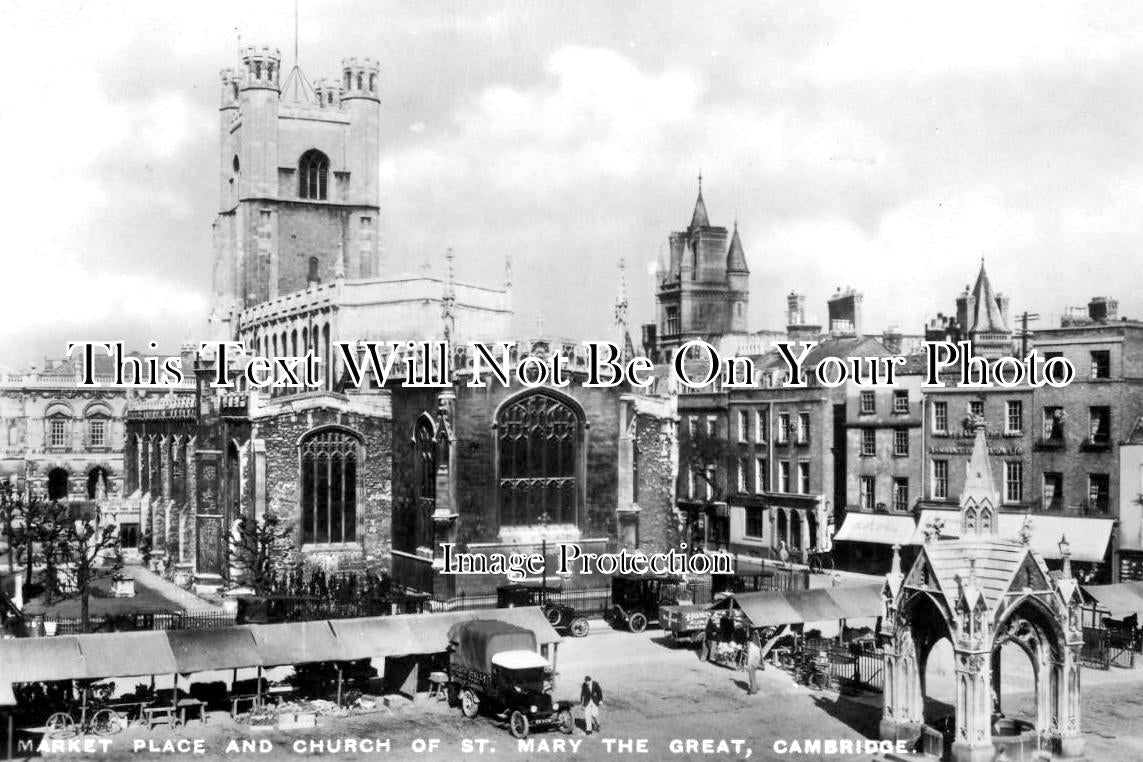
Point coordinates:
pixel 98 483
pixel 59 482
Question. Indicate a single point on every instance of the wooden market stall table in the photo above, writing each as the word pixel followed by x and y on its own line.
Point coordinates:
pixel 159 715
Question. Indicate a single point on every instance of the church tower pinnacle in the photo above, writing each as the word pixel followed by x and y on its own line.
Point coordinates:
pixel 704 286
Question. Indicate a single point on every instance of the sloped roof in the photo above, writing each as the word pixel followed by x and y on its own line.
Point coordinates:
pixel 850 346
pixel 986 316
pixel 736 257
pixel 997 562
pixel 699 218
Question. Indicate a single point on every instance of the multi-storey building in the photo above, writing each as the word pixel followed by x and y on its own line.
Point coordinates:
pixel 61 439
pixel 1077 463
pixel 883 476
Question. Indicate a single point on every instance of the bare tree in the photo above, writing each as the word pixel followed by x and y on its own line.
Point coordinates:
pixel 258 548
pixel 86 547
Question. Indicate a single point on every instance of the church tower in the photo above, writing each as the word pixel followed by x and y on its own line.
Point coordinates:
pixel 704 287
pixel 298 180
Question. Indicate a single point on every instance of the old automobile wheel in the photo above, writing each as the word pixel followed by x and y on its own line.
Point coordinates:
pixel 60 725
pixel 566 721
pixel 469 704
pixel 579 627
pixel 518 724
pixel 637 622
pixel 553 615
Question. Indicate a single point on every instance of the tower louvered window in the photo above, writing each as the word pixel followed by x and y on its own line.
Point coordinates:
pixel 313 176
pixel 538 452
pixel 329 487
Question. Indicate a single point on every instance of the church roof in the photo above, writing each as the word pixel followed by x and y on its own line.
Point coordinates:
pixel 986 316
pixel 699 219
pixel 736 257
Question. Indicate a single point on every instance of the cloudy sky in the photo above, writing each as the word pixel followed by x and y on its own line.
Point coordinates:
pixel 881 146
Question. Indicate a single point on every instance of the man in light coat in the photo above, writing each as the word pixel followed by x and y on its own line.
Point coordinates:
pixel 753 660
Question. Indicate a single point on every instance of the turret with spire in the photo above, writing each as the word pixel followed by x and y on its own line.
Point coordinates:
pixel 982 315
pixel 704 291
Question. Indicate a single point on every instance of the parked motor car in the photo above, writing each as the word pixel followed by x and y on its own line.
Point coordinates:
pixel 559 615
pixel 636 599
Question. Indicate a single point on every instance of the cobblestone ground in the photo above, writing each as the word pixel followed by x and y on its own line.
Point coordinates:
pixel 661 696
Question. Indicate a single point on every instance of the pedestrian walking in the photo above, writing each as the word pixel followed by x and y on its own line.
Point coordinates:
pixel 710 637
pixel 753 660
pixel 591 696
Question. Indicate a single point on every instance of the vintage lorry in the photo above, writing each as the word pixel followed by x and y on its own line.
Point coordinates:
pixel 494 668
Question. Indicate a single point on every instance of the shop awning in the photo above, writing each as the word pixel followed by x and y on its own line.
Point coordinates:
pixel 126 654
pixel 28 660
pixel 1121 600
pixel 764 609
pixel 815 605
pixel 375 637
pixel 298 643
pixel 1088 537
pixel 858 601
pixel 880 528
pixel 205 650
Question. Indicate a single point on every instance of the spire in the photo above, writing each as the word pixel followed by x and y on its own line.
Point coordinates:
pixel 986 317
pixel 621 303
pixel 699 218
pixel 736 257
pixel 978 481
pixel 448 298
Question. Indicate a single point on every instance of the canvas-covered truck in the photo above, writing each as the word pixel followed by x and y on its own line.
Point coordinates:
pixel 686 623
pixel 494 668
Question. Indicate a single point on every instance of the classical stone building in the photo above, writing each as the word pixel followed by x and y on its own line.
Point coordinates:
pixel 58 438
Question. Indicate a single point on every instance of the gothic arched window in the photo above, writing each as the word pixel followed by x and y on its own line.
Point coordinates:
pixel 313 175
pixel 329 486
pixel 426 448
pixel 539 441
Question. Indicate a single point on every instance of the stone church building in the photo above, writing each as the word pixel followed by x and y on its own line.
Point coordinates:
pixel 367 476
